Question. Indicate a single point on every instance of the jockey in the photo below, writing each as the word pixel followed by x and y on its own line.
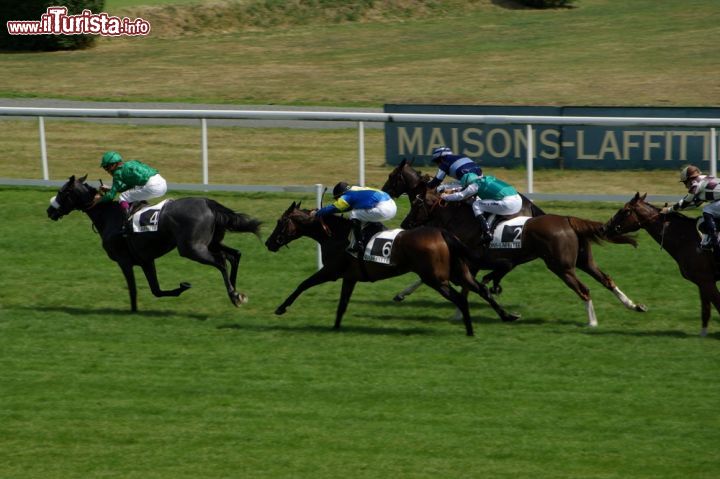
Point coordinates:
pixel 701 188
pixel 134 180
pixel 366 205
pixel 491 195
pixel 451 164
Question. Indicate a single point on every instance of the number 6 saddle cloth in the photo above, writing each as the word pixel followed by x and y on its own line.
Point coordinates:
pixel 379 246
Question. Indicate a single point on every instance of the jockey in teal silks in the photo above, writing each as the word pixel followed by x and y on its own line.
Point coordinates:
pixel 133 180
pixel 366 205
pixel 491 194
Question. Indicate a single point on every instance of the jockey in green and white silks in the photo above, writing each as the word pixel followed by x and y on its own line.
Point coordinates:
pixel 366 205
pixel 133 180
pixel 701 189
pixel 491 195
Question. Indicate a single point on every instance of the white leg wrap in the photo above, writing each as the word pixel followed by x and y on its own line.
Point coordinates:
pixel 703 332
pixel 624 299
pixel 592 319
pixel 410 289
pixel 457 316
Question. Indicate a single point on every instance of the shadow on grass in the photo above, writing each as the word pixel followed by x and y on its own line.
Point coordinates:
pixel 314 329
pixel 114 312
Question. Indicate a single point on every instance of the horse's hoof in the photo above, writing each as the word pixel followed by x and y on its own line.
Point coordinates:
pixel 280 311
pixel 495 291
pixel 239 298
pixel 509 318
pixel 641 308
pixel 398 298
pixel 184 285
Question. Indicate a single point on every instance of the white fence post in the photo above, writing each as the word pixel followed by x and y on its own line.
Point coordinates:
pixel 204 141
pixel 318 201
pixel 361 152
pixel 713 152
pixel 529 159
pixel 43 148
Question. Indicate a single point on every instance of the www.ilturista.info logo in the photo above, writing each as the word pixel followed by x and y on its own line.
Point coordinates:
pixel 57 22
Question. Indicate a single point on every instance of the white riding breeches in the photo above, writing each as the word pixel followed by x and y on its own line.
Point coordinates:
pixel 154 188
pixel 712 208
pixel 509 205
pixel 383 211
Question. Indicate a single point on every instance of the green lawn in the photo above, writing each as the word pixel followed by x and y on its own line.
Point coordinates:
pixel 192 387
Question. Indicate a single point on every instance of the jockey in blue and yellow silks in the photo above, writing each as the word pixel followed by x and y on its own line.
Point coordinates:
pixel 366 205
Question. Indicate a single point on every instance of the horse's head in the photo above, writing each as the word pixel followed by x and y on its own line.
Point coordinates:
pixel 289 227
pixel 420 210
pixel 75 194
pixel 635 214
pixel 402 179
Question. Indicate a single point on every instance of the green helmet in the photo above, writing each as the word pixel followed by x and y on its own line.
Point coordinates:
pixel 109 158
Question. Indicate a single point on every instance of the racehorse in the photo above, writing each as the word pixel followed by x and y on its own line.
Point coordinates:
pixel 405 179
pixel 435 255
pixel 196 226
pixel 563 243
pixel 677 234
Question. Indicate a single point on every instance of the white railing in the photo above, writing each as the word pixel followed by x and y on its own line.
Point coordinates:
pixel 360 118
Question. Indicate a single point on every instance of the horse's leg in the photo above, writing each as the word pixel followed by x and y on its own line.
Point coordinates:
pixel 201 254
pixel 567 274
pixel 456 298
pixel 348 285
pixel 709 295
pixel 469 283
pixel 586 263
pixel 321 276
pixel 127 270
pixel 151 275
pixel 407 291
pixel 496 276
pixel 233 256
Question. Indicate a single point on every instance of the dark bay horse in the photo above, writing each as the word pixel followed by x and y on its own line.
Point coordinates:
pixel 195 226
pixel 435 255
pixel 563 243
pixel 678 235
pixel 404 179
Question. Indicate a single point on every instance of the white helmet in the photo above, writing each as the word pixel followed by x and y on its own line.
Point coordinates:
pixel 689 172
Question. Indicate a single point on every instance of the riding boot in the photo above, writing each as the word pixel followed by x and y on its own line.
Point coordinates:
pixel 711 240
pixel 485 236
pixel 357 232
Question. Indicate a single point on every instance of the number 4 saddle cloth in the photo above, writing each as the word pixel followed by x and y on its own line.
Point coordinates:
pixel 146 219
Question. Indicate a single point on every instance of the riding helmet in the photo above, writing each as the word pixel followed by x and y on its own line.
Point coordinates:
pixel 109 158
pixel 689 172
pixel 439 152
pixel 339 189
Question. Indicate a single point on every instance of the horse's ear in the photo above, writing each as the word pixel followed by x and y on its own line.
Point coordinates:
pixel 644 196
pixel 403 163
pixel 292 207
pixel 298 205
pixel 72 179
pixel 83 178
pixel 637 196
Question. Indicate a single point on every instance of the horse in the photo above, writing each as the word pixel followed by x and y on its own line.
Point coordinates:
pixel 563 243
pixel 404 179
pixel 435 255
pixel 676 234
pixel 195 226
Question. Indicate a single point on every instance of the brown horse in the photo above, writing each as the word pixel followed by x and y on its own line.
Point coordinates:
pixel 404 179
pixel 435 255
pixel 677 234
pixel 563 242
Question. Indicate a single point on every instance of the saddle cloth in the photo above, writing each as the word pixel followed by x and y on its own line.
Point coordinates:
pixel 379 247
pixel 146 219
pixel 508 234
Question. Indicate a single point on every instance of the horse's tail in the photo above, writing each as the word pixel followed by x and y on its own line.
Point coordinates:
pixel 596 232
pixel 232 221
pixel 535 210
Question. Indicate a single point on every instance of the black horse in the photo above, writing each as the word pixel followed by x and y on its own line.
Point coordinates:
pixel 195 226
pixel 435 255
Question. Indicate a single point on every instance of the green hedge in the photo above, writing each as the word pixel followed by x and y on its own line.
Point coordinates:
pixel 33 10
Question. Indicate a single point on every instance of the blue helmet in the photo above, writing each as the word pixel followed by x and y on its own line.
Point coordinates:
pixel 439 152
